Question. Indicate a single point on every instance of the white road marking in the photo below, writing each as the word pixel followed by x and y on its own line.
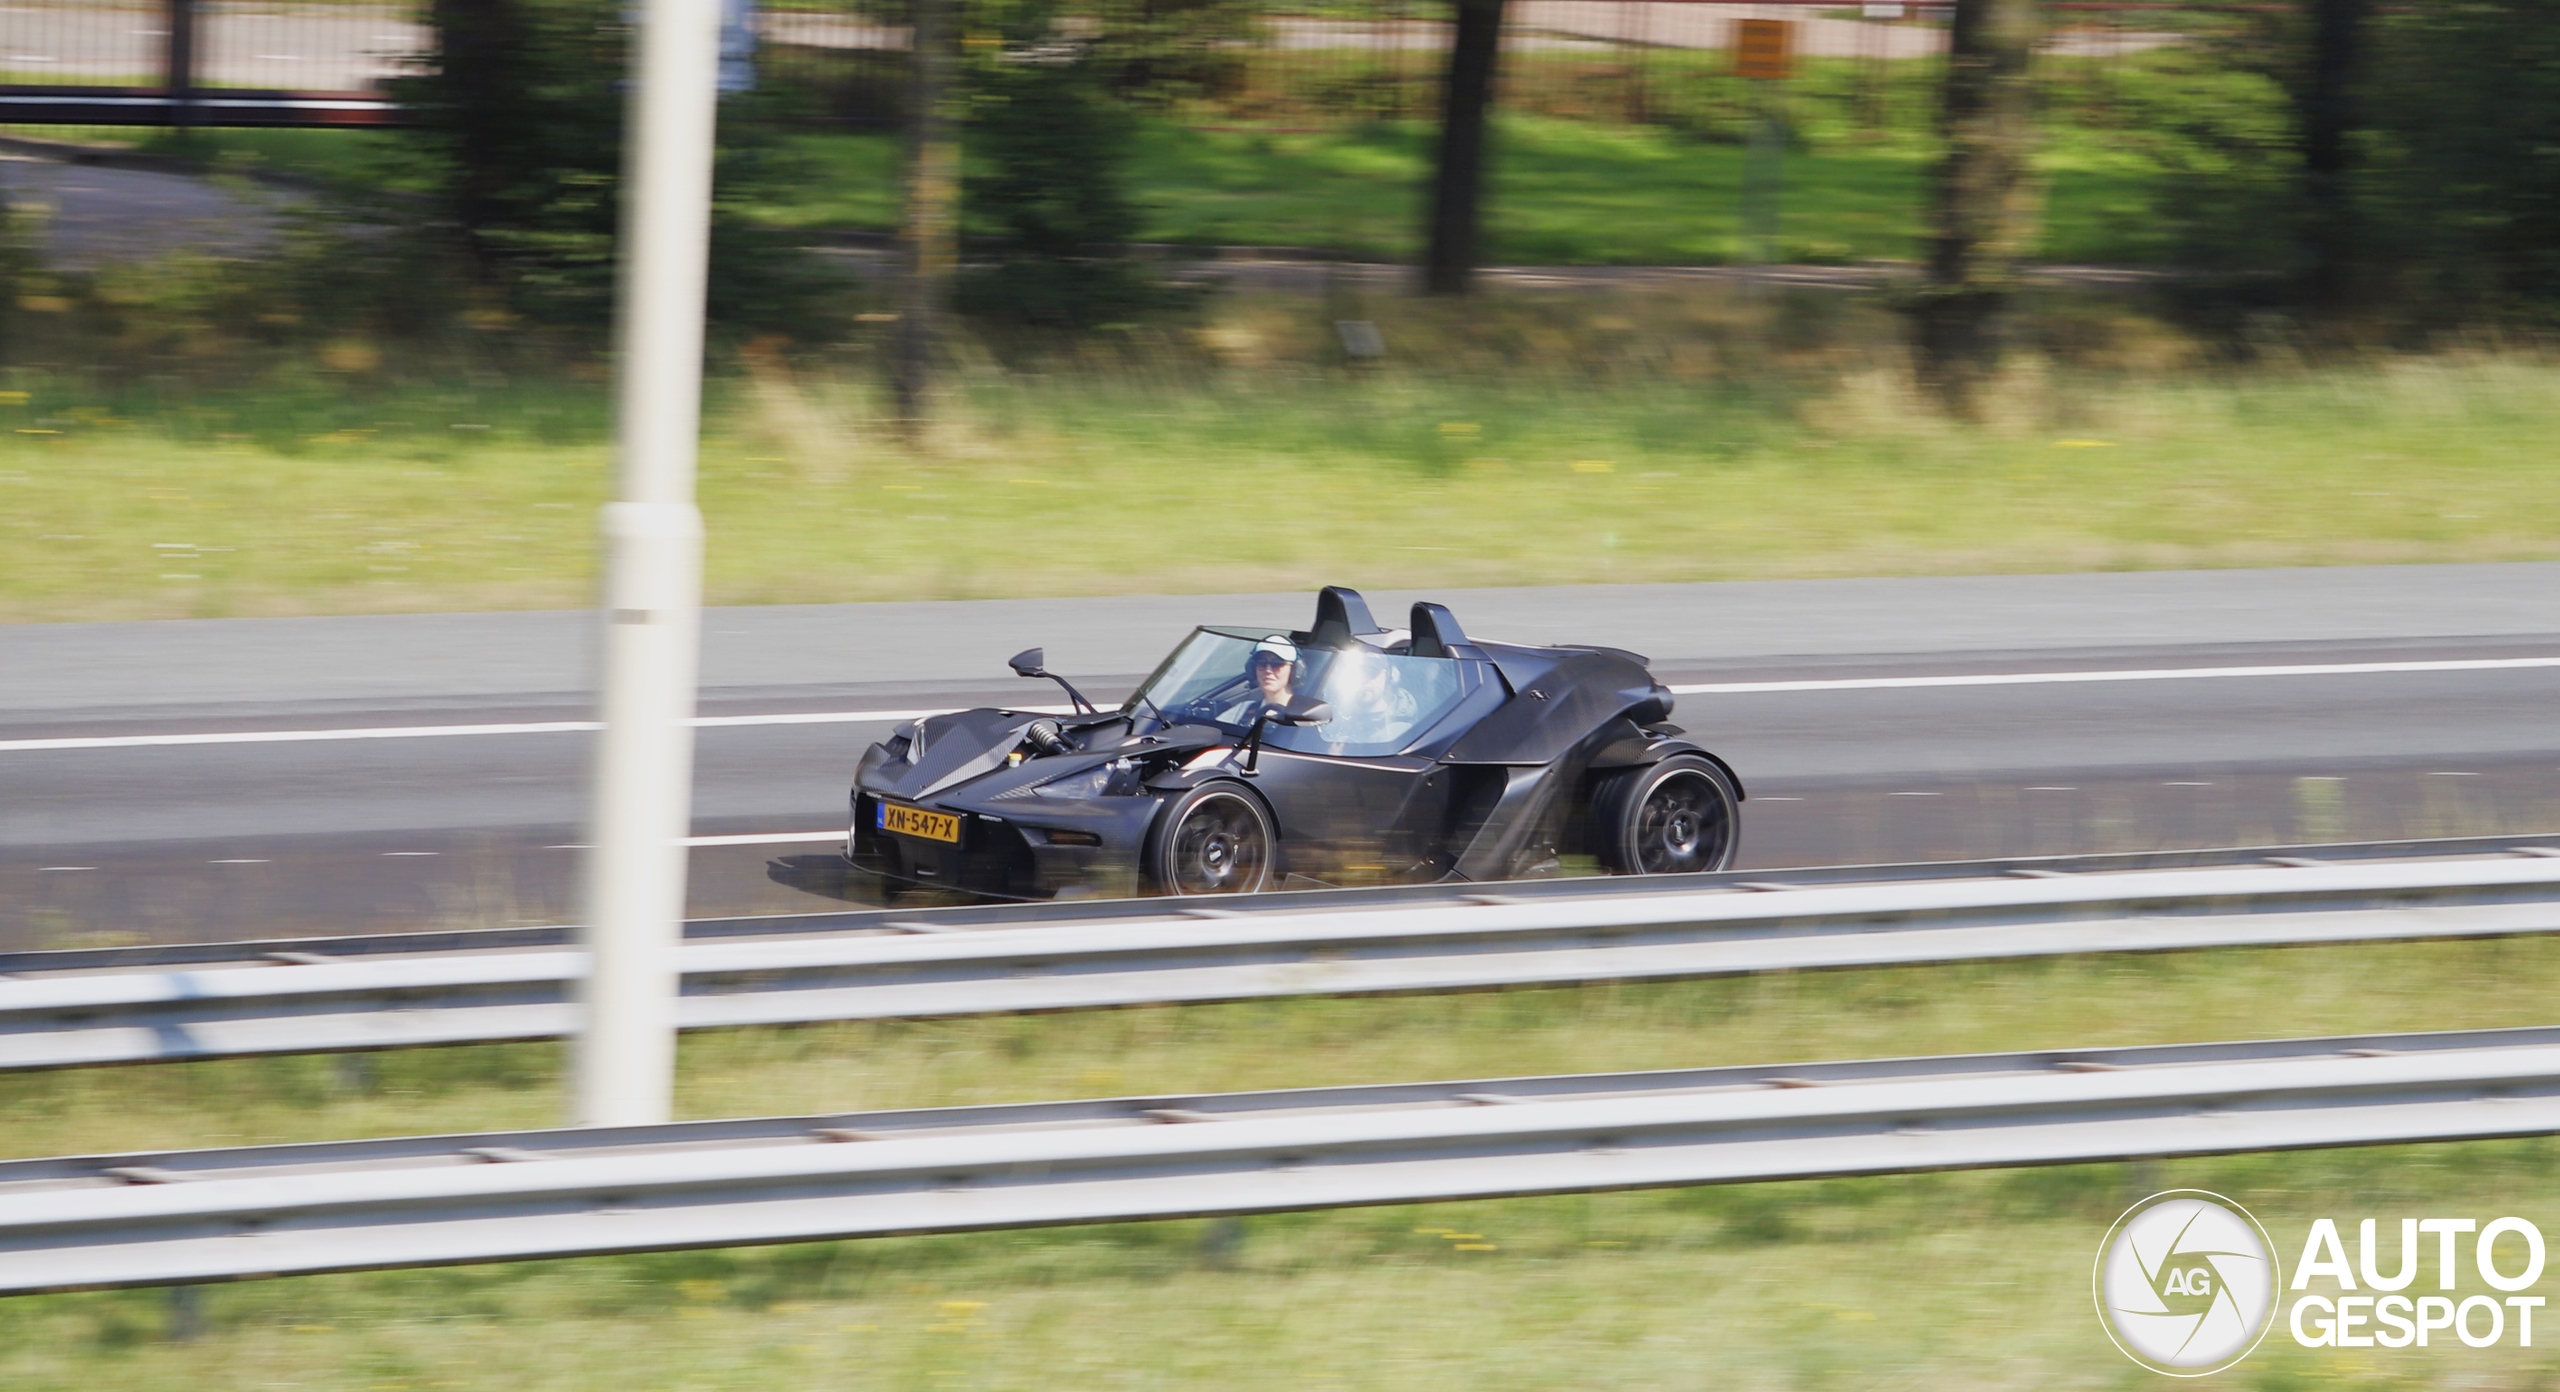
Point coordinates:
pixel 550 727
pixel 770 838
pixel 2323 669
pixel 866 717
pixel 751 838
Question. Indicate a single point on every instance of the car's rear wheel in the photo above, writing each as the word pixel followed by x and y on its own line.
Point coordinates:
pixel 1679 816
pixel 1215 839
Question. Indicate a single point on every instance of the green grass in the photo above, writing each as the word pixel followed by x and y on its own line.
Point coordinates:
pixel 1562 192
pixel 1571 181
pixel 348 158
pixel 1972 1280
pixel 1269 475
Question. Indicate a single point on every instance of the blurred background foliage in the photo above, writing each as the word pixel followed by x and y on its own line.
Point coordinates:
pixel 2455 153
pixel 517 143
pixel 2465 157
pixel 1053 150
pixel 476 245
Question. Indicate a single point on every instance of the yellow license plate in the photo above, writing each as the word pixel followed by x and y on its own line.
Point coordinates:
pixel 915 821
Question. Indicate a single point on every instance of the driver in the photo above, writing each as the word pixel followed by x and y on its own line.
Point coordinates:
pixel 1271 680
pixel 1274 677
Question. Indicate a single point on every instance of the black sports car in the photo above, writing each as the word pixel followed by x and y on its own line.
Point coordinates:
pixel 1344 754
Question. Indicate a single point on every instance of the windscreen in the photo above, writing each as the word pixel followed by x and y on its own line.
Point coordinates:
pixel 1203 678
pixel 1380 701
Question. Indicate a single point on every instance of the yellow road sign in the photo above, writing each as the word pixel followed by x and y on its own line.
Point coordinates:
pixel 1764 48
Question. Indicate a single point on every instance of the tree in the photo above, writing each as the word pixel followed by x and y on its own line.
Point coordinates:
pixel 1052 150
pixel 516 129
pixel 2459 193
pixel 2328 117
pixel 521 120
pixel 1981 210
pixel 1457 180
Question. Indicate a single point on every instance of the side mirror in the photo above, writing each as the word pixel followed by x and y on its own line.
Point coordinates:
pixel 1306 713
pixel 1034 662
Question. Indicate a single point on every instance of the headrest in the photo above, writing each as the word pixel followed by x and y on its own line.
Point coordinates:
pixel 1341 615
pixel 1435 631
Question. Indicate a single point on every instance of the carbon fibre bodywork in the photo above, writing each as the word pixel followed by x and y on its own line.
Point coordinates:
pixel 1367 756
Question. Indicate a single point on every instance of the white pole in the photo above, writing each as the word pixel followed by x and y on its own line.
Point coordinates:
pixel 653 576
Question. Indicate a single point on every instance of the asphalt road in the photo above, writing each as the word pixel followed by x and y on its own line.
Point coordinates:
pixel 2442 725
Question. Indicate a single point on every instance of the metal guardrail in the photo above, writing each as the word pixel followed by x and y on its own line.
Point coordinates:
pixel 1444 939
pixel 1064 911
pixel 125 1220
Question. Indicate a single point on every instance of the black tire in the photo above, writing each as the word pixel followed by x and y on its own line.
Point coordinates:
pixel 1676 817
pixel 1215 839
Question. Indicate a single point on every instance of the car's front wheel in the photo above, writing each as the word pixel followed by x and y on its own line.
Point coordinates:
pixel 1675 817
pixel 1215 839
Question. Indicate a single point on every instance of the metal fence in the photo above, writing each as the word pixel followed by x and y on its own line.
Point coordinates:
pixel 320 62
pixel 112 1006
pixel 203 62
pixel 1626 61
pixel 86 1222
pixel 175 1217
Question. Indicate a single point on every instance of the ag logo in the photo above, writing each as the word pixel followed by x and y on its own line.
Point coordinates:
pixel 2186 1283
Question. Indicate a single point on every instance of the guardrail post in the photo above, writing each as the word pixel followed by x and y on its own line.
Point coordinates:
pixel 180 76
pixel 635 870
pixel 186 1314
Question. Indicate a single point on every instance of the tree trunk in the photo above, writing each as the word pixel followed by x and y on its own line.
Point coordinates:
pixel 1982 212
pixel 482 84
pixel 930 234
pixel 2328 114
pixel 181 65
pixel 1457 184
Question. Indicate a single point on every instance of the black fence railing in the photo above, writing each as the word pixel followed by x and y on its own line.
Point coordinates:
pixel 1332 62
pixel 202 62
pixel 1309 65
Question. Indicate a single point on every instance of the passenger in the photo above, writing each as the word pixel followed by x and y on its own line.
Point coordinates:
pixel 1372 706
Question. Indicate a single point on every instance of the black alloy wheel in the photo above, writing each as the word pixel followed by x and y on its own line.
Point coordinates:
pixel 1215 839
pixel 1676 817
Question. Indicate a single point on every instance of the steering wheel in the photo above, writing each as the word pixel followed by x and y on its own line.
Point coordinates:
pixel 1206 705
